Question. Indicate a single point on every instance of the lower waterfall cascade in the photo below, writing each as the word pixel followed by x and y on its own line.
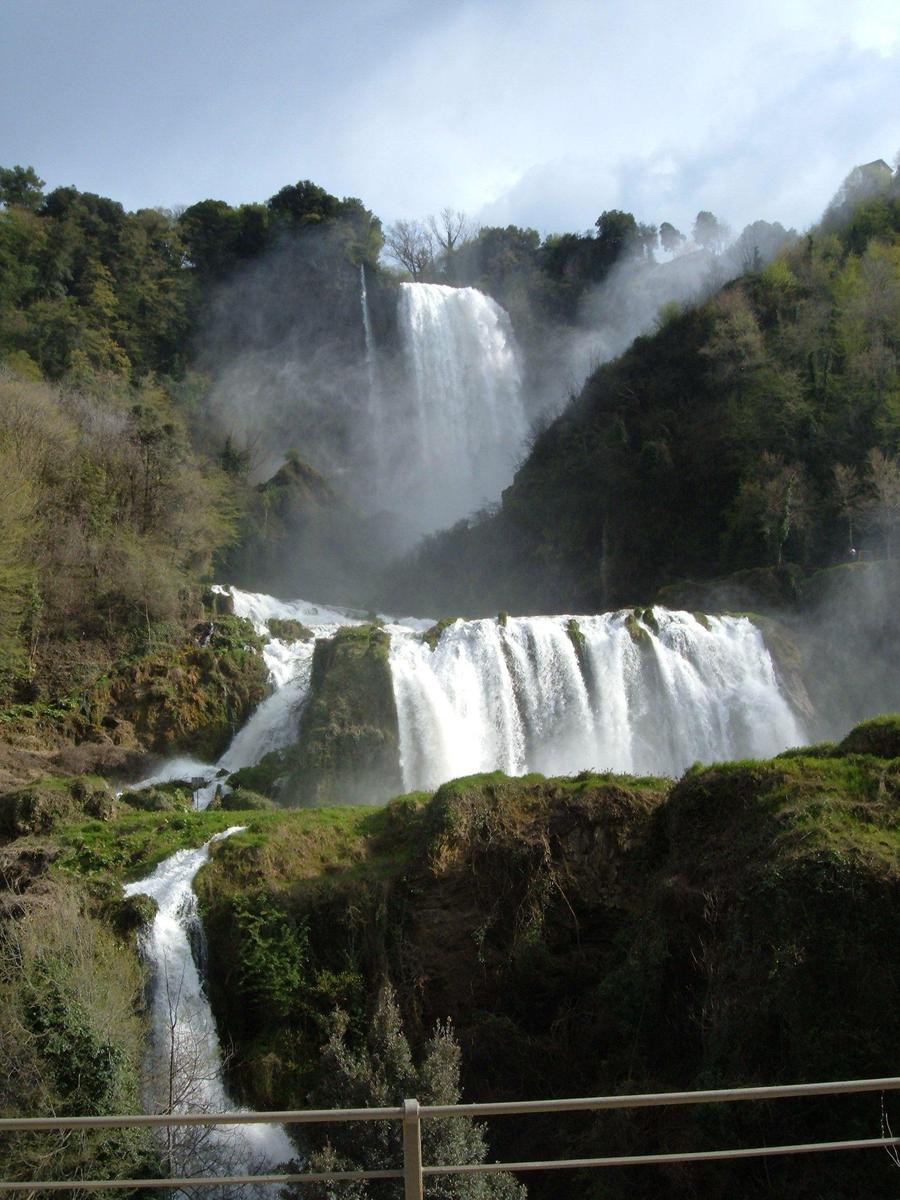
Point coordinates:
pixel 184 1060
pixel 564 694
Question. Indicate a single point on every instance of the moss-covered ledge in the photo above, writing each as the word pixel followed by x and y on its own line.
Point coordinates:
pixel 348 741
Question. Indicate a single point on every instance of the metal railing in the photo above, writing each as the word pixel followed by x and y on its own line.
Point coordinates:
pixel 411 1114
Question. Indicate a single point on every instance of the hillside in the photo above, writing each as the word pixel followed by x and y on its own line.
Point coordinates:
pixel 758 427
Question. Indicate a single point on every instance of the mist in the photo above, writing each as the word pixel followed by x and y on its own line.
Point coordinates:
pixel 283 345
pixel 631 302
pixel 849 636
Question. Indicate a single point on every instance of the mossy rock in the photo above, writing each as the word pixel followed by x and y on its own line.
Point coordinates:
pixel 879 737
pixel 432 636
pixel 219 604
pixel 787 658
pixel 575 635
pixel 762 589
pixel 266 778
pixel 167 797
pixel 348 741
pixel 636 631
pixel 130 914
pixel 243 800
pixel 192 696
pixel 289 630
pixel 44 804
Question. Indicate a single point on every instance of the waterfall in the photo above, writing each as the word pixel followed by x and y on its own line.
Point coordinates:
pixel 644 696
pixel 371 366
pixel 184 1062
pixel 449 440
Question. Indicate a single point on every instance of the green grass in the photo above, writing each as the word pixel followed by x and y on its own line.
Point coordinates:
pixel 131 845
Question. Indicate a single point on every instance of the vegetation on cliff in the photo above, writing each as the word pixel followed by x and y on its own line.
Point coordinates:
pixel 586 935
pixel 603 934
pixel 70 1040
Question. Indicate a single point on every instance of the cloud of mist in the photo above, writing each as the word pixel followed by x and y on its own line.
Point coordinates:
pixel 850 636
pixel 283 345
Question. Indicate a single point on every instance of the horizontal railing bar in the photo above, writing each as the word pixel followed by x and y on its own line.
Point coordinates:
pixel 498 1109
pixel 634 1160
pixel 661 1099
pixel 119 1121
pixel 109 1185
pixel 561 1164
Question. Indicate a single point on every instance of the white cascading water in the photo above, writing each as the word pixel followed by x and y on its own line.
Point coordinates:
pixel 519 697
pixel 184 1062
pixel 448 439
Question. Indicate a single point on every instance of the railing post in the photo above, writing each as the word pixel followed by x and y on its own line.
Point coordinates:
pixel 412 1151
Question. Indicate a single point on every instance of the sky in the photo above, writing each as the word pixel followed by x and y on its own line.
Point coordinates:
pixel 539 113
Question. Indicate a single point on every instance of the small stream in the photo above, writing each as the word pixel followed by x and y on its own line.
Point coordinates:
pixel 184 1063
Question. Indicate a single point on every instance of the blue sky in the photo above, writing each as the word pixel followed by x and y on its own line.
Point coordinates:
pixel 539 112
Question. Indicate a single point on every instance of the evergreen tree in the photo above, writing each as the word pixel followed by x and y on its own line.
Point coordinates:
pixel 382 1073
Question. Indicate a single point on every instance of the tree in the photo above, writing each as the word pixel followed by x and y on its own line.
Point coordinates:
pixel 21 186
pixel 304 203
pixel 710 233
pixel 647 238
pixel 735 349
pixel 773 501
pixel 848 494
pixel 411 245
pixel 671 238
pixel 451 230
pixel 617 235
pixel 884 480
pixel 758 244
pixel 382 1073
pixel 209 229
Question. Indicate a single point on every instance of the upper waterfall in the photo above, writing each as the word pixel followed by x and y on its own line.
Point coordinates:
pixel 609 692
pixel 453 435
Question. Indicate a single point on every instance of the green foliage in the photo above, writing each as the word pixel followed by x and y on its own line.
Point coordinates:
pixel 69 1041
pixel 106 517
pixel 274 953
pixel 109 853
pixel 20 186
pixel 381 1072
pixel 17 526
pixel 600 934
